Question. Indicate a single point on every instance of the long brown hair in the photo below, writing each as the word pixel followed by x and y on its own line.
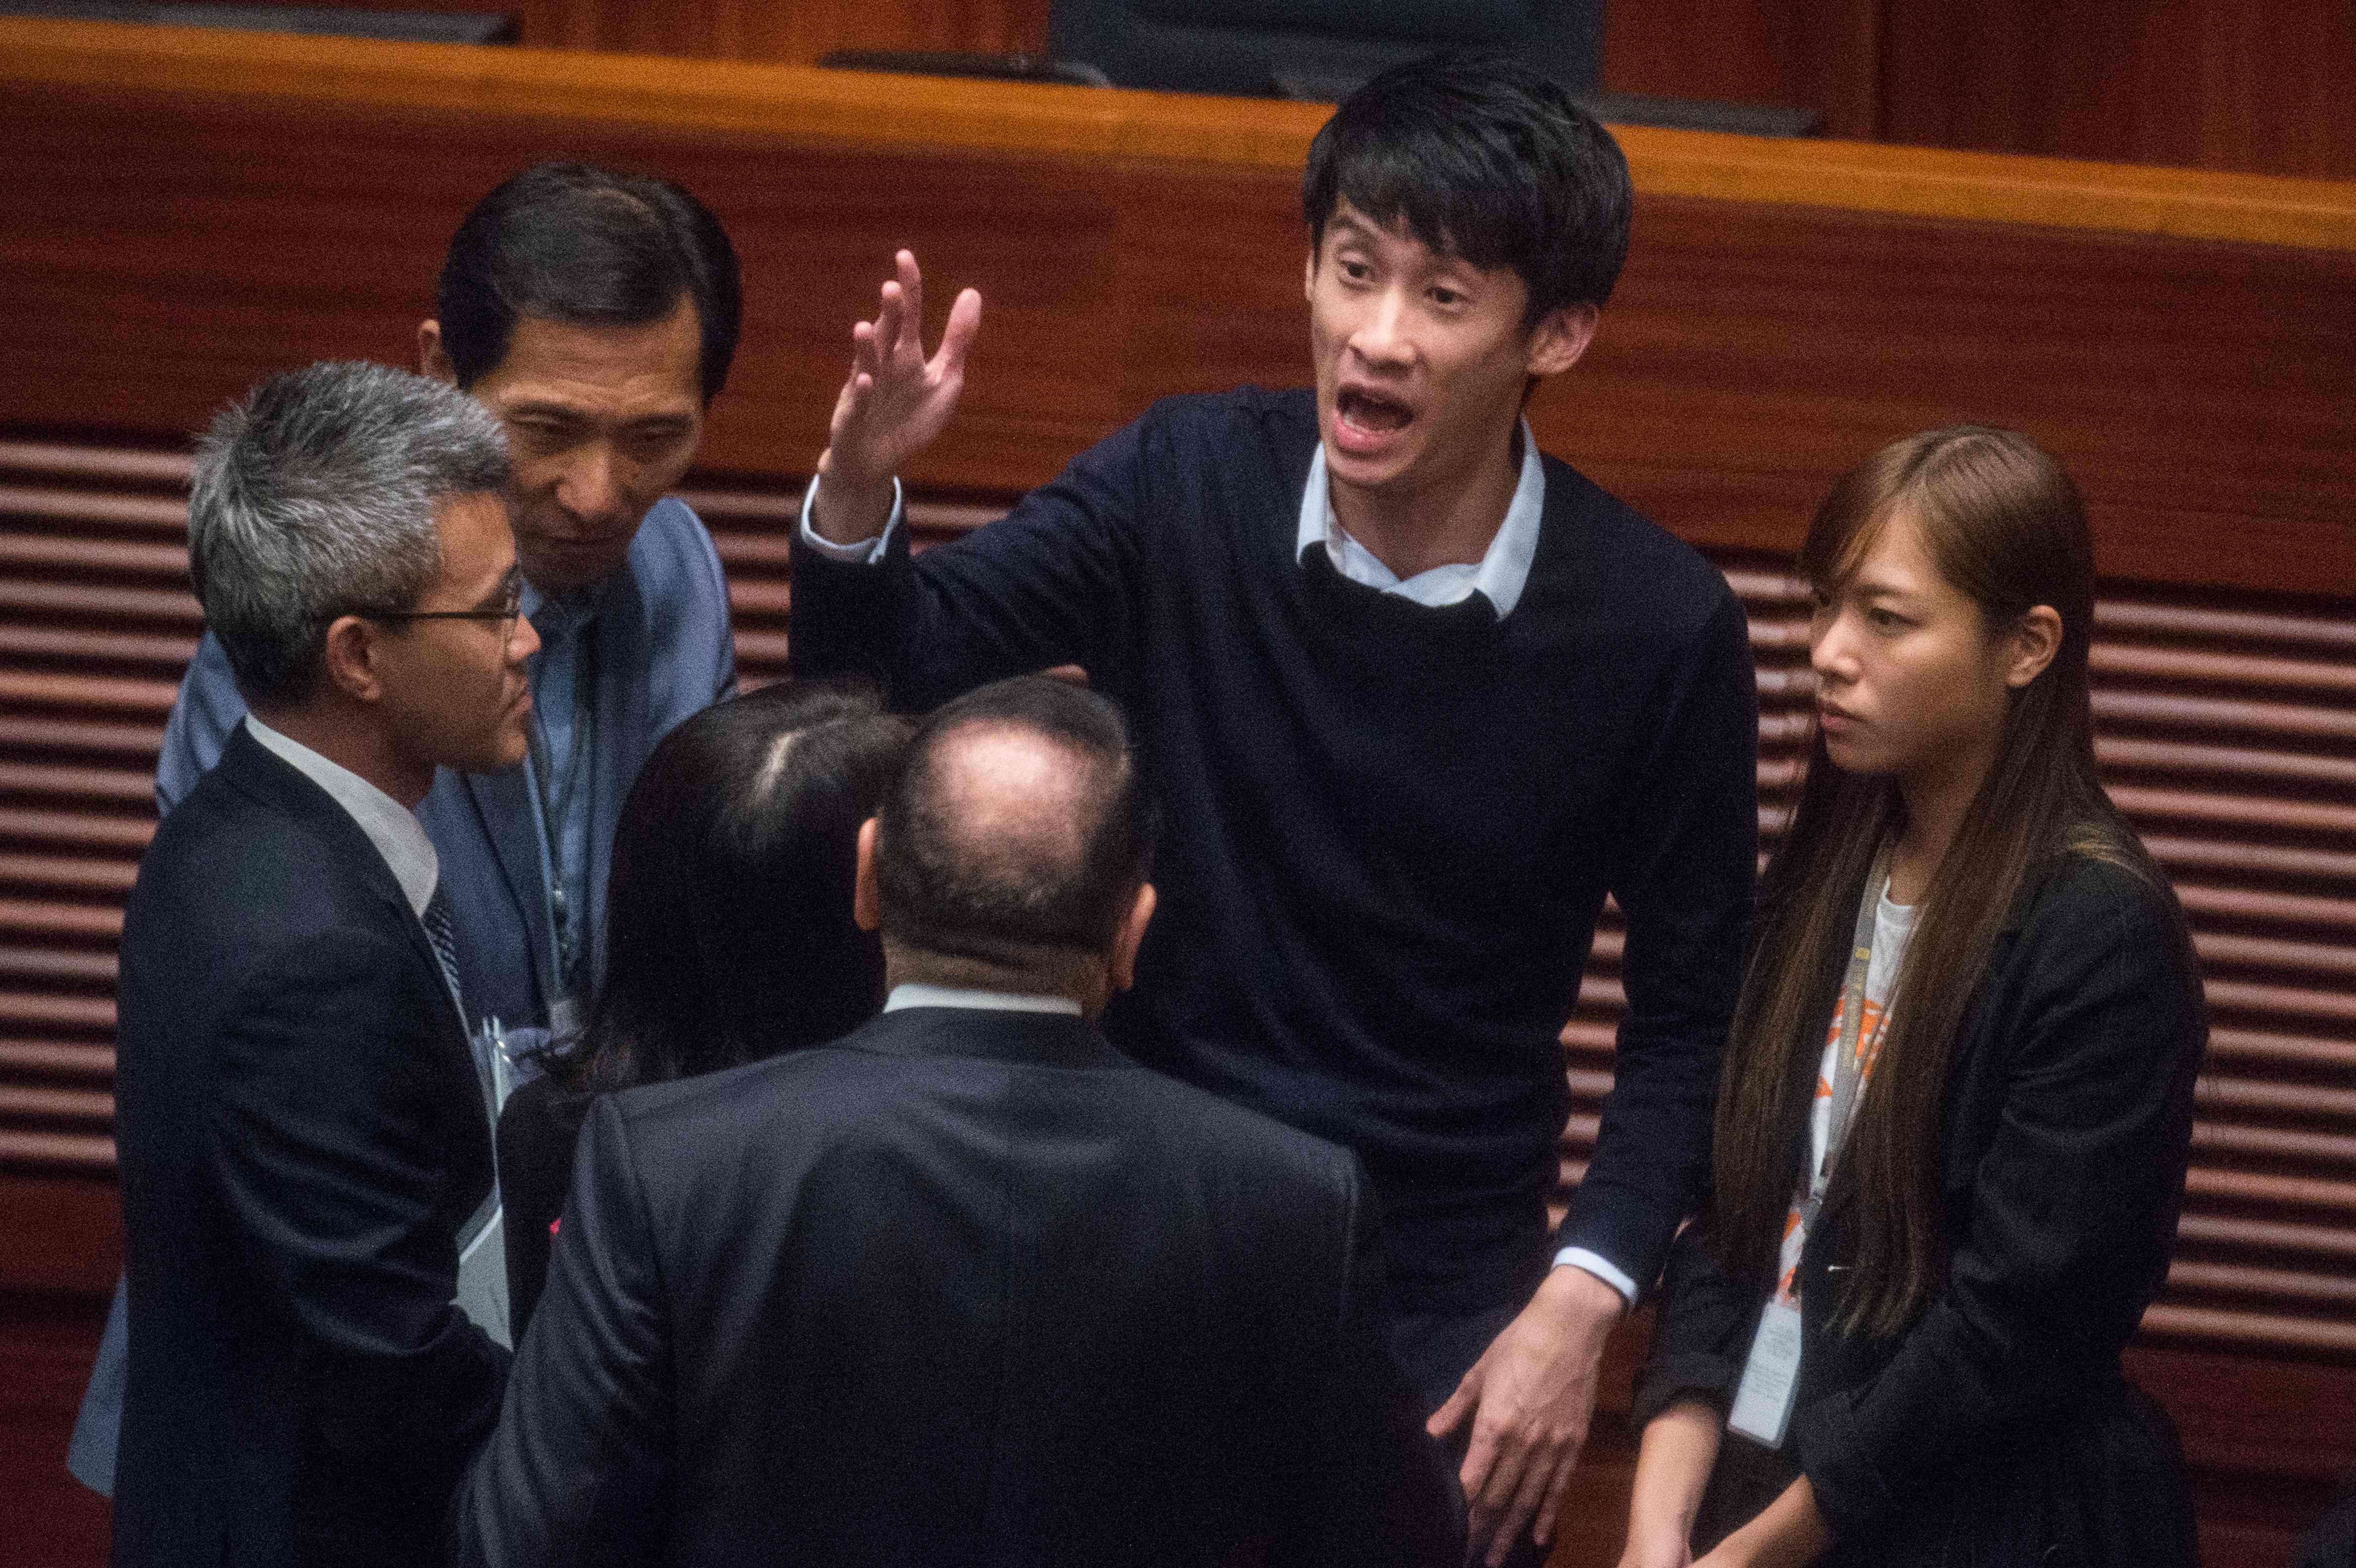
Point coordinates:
pixel 2005 526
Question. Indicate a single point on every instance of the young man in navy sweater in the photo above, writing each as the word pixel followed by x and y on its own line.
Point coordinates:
pixel 1416 697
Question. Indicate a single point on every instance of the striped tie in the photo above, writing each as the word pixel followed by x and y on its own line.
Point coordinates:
pixel 444 938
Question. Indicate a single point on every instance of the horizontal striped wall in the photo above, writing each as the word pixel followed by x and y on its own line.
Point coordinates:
pixel 2227 731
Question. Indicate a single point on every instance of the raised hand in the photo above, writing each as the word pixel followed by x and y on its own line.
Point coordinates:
pixel 894 403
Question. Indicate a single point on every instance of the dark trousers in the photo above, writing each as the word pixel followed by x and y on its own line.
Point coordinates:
pixel 1436 1349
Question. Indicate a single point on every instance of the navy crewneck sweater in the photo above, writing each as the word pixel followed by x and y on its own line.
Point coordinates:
pixel 1388 828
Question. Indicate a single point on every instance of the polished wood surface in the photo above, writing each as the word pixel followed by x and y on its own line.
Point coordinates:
pixel 2246 84
pixel 2183 340
pixel 190 212
pixel 2224 730
pixel 2260 85
pixel 947 116
pixel 792 34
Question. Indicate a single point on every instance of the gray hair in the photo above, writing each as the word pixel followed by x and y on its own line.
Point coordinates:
pixel 315 498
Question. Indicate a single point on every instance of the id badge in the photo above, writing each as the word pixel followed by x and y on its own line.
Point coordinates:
pixel 1771 1379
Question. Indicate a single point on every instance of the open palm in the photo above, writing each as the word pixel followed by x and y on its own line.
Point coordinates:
pixel 897 400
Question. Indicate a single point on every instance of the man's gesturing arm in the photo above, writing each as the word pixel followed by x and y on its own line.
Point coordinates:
pixel 1530 1397
pixel 894 403
pixel 1687 846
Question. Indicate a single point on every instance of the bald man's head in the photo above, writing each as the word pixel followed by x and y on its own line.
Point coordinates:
pixel 1016 838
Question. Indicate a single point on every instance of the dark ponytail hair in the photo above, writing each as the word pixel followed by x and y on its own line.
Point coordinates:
pixel 2003 525
pixel 729 934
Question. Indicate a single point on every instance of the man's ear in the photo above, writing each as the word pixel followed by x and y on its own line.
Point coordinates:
pixel 1561 337
pixel 1120 965
pixel 433 359
pixel 2036 639
pixel 1309 275
pixel 350 653
pixel 866 883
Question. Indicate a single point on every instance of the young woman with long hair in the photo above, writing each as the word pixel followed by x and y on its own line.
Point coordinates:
pixel 1955 1115
pixel 729 935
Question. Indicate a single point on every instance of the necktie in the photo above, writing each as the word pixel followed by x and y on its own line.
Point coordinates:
pixel 444 938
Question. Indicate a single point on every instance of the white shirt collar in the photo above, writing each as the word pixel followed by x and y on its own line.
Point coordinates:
pixel 1503 572
pixel 390 825
pixel 913 993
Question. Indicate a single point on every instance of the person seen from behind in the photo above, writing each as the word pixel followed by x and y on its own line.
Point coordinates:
pixel 728 922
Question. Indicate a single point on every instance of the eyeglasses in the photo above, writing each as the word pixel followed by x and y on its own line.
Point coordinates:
pixel 504 606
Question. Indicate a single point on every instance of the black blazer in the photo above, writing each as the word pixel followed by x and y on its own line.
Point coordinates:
pixel 1997 1428
pixel 965 1287
pixel 301 1136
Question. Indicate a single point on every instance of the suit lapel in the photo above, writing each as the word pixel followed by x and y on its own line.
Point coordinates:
pixel 281 787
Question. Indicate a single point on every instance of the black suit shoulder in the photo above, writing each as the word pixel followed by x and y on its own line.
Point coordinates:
pixel 963 1286
pixel 805 1093
pixel 264 848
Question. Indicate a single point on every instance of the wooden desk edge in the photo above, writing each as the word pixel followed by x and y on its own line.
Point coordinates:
pixel 796 103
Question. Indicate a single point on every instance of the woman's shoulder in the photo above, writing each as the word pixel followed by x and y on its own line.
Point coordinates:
pixel 2103 919
pixel 2097 884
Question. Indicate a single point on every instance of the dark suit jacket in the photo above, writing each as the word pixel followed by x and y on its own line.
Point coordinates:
pixel 301 1137
pixel 1998 1427
pixel 666 651
pixel 966 1287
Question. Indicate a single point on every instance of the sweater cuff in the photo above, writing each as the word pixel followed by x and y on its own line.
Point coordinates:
pixel 860 552
pixel 1601 1267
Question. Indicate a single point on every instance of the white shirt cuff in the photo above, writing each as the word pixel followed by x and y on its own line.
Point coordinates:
pixel 862 551
pixel 1601 1267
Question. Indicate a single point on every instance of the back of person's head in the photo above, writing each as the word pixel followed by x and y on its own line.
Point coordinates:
pixel 728 915
pixel 316 496
pixel 583 245
pixel 2002 524
pixel 1482 157
pixel 1012 848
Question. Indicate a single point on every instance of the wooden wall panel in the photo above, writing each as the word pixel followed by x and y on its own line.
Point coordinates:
pixel 46 1346
pixel 1803 54
pixel 2198 386
pixel 2229 84
pixel 794 33
pixel 2227 731
pixel 1785 308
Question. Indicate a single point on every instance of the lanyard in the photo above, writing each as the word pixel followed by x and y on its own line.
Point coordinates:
pixel 1848 1066
pixel 557 789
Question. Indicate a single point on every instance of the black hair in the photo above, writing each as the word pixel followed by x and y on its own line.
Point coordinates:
pixel 1042 892
pixel 1486 159
pixel 583 245
pixel 728 926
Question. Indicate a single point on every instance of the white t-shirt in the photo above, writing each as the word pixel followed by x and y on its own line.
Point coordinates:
pixel 1893 926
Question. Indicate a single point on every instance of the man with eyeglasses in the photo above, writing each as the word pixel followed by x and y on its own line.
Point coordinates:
pixel 596 314
pixel 301 1124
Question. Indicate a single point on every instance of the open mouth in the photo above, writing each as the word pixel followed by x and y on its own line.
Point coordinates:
pixel 1371 413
